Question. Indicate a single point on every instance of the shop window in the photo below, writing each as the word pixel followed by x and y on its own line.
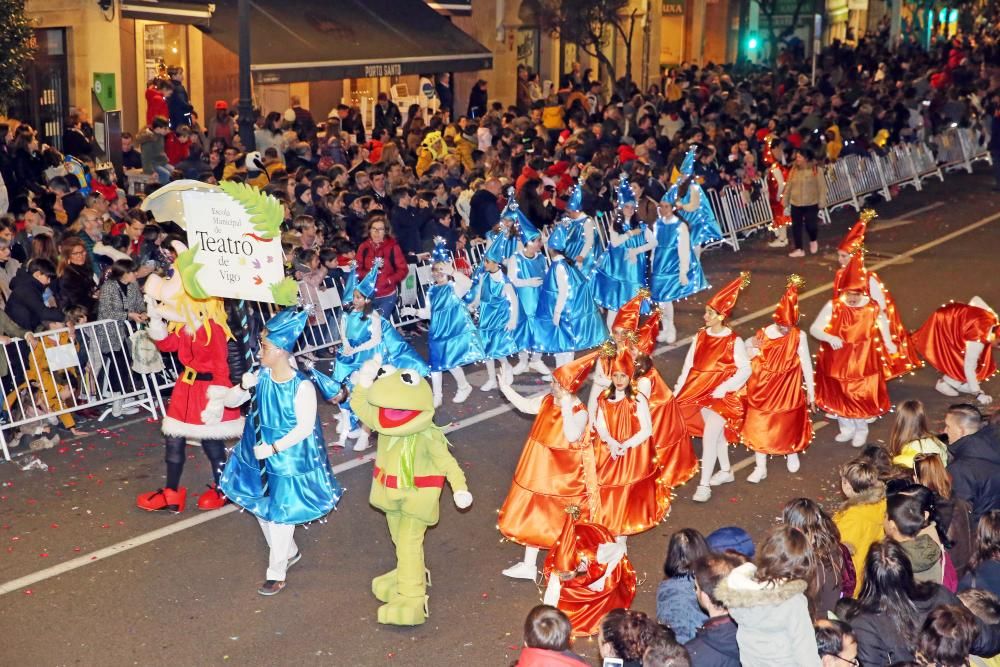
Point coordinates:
pixel 163 45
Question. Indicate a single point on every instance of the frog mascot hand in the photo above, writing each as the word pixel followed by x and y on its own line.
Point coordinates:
pixel 411 464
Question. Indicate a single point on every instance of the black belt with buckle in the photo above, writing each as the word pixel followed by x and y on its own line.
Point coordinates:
pixel 190 375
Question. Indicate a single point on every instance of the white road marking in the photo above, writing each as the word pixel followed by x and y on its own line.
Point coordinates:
pixel 184 524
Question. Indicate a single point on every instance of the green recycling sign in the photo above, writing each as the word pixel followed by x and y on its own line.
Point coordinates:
pixel 105 90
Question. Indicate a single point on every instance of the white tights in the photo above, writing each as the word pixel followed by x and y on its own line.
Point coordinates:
pixel 456 373
pixel 713 445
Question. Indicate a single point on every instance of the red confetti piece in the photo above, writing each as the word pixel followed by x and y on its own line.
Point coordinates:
pixel 734 500
pixel 15 538
pixel 106 525
pixel 54 525
pixel 485 595
pixel 43 555
pixel 28 592
pixel 77 549
pixel 121 523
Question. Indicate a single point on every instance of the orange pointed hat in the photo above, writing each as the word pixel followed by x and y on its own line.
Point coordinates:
pixel 787 312
pixel 623 363
pixel 573 374
pixel 564 556
pixel 768 155
pixel 725 299
pixel 854 276
pixel 856 237
pixel 647 333
pixel 628 315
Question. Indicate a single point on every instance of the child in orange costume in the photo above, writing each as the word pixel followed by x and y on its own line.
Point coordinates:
pixel 588 574
pixel 551 473
pixel 777 418
pixel 710 387
pixel 849 379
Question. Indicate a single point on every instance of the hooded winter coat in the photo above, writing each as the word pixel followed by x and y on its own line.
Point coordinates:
pixel 860 524
pixel 975 470
pixel 715 645
pixel 925 557
pixel 775 629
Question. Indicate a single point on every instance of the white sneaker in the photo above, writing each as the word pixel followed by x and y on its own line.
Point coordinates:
pixel 508 374
pixel 859 439
pixel 813 247
pixel 702 494
pixel 797 253
pixel 757 475
pixel 778 243
pixel 844 436
pixel 520 367
pixel 722 477
pixel 130 410
pixel 669 334
pixel 362 442
pixel 521 570
pixel 540 368
pixel 792 462
pixel 462 393
pixel 490 385
pixel 945 388
pixel 662 336
pixel 116 407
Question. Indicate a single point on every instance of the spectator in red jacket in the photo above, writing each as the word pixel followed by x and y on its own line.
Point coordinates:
pixel 394 268
pixel 156 99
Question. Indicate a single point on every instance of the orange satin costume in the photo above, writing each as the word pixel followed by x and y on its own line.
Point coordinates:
pixel 779 219
pixel 549 477
pixel 777 414
pixel 942 338
pixel 633 496
pixel 905 360
pixel 713 364
pixel 849 381
pixel 574 561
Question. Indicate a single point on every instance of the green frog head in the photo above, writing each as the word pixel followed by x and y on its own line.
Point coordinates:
pixel 404 401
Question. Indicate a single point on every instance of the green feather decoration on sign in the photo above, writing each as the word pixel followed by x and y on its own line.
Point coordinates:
pixel 266 212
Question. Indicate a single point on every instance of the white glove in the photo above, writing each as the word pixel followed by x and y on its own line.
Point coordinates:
pixel 984 398
pixel 534 282
pixel 248 380
pixel 366 376
pixel 719 392
pixel 463 499
pixel 556 318
pixel 262 451
pixel 632 255
pixel 616 449
pixel 835 342
pixel 683 279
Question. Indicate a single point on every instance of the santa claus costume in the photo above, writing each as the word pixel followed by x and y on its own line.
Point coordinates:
pixel 588 573
pixel 849 379
pixel 200 407
pixel 552 471
pixel 710 387
pixel 776 175
pixel 780 389
pixel 901 357
pixel 958 339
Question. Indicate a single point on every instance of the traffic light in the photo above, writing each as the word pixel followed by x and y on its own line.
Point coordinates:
pixel 752 42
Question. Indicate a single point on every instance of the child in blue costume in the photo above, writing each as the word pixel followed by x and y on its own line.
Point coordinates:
pixel 692 205
pixel 568 319
pixel 366 333
pixel 621 271
pixel 675 272
pixel 583 246
pixel 452 339
pixel 498 313
pixel 526 271
pixel 298 485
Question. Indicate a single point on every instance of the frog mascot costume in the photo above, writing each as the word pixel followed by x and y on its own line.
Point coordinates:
pixel 412 463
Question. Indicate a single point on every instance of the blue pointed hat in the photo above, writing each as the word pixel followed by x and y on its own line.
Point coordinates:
pixel 559 238
pixel 367 284
pixel 509 211
pixel 351 283
pixel 285 328
pixel 525 229
pixel 625 194
pixel 325 385
pixel 575 202
pixel 501 248
pixel 687 167
pixel 441 252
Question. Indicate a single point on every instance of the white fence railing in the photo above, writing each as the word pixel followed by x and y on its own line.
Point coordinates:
pixel 60 372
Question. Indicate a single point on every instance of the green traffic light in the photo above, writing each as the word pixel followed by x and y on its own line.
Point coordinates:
pixel 752 43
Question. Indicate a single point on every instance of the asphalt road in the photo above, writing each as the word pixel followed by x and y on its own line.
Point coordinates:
pixel 87 579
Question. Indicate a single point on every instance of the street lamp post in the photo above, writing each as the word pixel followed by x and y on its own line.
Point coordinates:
pixel 245 108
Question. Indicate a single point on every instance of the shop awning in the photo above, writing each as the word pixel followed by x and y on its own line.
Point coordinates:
pixel 451 7
pixel 175 11
pixel 315 40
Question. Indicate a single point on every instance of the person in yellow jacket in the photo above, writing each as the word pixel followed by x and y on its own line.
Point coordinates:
pixel 834 143
pixel 432 149
pixel 465 144
pixel 861 518
pixel 911 436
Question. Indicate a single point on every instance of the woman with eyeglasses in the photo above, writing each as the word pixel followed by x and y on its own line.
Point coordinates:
pixel 838 647
pixel 76 276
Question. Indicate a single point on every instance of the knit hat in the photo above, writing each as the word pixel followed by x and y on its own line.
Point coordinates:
pixel 856 237
pixel 725 299
pixel 787 312
pixel 731 538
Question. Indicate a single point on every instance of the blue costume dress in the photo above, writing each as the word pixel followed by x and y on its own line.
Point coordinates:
pixel 577 240
pixel 393 348
pixel 665 284
pixel 526 334
pixel 300 486
pixel 494 315
pixel 581 326
pixel 702 222
pixel 616 279
pixel 452 339
pixel 396 351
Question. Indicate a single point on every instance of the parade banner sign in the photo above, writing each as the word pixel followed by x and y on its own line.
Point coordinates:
pixel 234 241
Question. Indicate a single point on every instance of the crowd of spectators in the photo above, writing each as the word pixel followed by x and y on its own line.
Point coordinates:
pixel 904 572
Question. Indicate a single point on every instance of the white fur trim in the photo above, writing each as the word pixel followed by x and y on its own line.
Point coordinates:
pixel 226 430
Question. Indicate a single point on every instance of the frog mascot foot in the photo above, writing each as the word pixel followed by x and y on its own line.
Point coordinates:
pixel 404 611
pixel 386 586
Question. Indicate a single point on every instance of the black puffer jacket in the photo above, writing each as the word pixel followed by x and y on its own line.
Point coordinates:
pixel 974 464
pixel 26 305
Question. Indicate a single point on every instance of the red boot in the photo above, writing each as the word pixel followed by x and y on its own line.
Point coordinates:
pixel 211 499
pixel 163 500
